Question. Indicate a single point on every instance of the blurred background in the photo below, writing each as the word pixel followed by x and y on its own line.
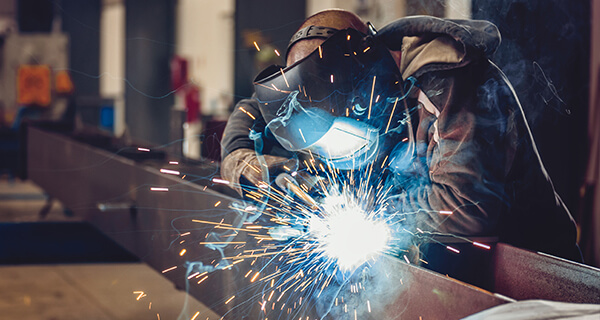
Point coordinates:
pixel 169 72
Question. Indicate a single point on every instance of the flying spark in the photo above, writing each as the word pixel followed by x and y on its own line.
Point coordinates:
pixel 481 245
pixel 167 171
pixel 169 269
pixel 220 181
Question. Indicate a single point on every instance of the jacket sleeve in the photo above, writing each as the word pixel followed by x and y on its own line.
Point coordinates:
pixel 244 117
pixel 463 151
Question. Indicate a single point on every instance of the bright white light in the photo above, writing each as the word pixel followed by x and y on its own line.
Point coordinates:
pixel 167 171
pixel 221 181
pixel 347 234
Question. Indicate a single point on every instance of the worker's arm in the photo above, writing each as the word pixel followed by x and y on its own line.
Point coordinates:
pixel 243 118
pixel 240 165
pixel 463 154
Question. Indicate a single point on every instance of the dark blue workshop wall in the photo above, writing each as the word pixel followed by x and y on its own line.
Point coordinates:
pixel 81 21
pixel 272 23
pixel 150 39
pixel 35 15
pixel 545 54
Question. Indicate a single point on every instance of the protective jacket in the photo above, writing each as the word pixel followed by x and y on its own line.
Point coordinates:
pixel 468 148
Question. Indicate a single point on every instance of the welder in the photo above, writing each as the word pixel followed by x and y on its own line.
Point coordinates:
pixel 423 92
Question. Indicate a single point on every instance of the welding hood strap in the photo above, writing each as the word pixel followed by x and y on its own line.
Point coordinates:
pixel 311 32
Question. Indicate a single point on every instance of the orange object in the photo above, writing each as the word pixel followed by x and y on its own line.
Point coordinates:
pixel 33 85
pixel 63 83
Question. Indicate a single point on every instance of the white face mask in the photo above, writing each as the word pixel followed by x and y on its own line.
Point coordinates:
pixel 348 144
pixel 343 142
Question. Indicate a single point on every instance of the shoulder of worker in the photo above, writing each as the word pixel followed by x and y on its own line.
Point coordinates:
pixel 432 44
pixel 245 114
pixel 248 105
pixel 244 117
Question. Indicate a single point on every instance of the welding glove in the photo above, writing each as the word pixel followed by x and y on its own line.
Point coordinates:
pixel 242 167
pixel 301 178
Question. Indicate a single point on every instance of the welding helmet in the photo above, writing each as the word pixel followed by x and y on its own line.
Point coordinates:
pixel 335 103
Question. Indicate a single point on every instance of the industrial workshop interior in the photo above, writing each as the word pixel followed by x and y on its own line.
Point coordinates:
pixel 299 159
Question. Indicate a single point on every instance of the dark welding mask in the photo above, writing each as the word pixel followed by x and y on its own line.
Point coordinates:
pixel 336 103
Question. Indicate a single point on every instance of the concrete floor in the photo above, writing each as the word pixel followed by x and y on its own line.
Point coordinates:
pixel 123 291
pixel 21 201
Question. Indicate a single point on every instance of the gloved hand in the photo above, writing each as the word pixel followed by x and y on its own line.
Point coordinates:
pixel 244 163
pixel 300 178
pixel 291 184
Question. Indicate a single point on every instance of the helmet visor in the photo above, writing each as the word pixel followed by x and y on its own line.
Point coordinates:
pixel 335 101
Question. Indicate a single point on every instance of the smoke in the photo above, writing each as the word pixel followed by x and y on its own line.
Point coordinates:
pixel 545 54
